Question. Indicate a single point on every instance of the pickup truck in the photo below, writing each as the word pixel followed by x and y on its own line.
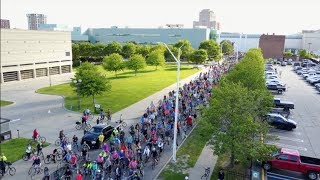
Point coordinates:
pixel 288 159
pixel 278 88
pixel 286 105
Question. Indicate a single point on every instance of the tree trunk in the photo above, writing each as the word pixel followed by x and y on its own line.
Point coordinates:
pixel 135 72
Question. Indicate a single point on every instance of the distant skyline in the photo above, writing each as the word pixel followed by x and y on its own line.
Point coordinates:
pixel 245 16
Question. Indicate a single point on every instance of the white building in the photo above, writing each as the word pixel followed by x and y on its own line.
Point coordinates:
pixel 311 41
pixel 29 54
pixel 207 18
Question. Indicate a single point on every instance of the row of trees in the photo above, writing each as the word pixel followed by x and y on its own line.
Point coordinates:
pixel 96 52
pixel 236 110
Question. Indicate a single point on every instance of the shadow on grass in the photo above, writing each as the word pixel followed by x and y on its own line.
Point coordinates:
pixel 119 77
pixel 133 73
pixel 175 69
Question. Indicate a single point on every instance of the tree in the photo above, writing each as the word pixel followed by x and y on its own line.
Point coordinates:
pixel 136 62
pixel 227 48
pixel 113 62
pixel 156 58
pixel 186 48
pixel 93 83
pixel 198 56
pixel 212 48
pixel 113 47
pixel 99 50
pixel 143 50
pixel 288 54
pixel 75 55
pixel 128 50
pixel 86 49
pixel 159 47
pixel 168 55
pixel 304 54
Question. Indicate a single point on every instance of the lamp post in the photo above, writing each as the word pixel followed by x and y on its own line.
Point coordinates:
pixel 174 144
pixel 77 83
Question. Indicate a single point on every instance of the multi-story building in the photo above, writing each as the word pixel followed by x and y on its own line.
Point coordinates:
pixel 311 40
pixel 272 46
pixel 29 54
pixel 148 35
pixel 76 35
pixel 34 21
pixel 207 18
pixel 5 24
pixel 53 27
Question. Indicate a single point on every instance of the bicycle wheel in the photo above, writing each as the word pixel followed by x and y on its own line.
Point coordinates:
pixel 91 116
pixel 124 124
pixel 205 176
pixel 59 150
pixel 87 127
pixel 25 157
pixel 12 171
pixel 58 157
pixel 78 126
pixel 86 147
pixel 42 139
pixel 31 171
pixel 57 142
pixel 47 160
pixel 33 176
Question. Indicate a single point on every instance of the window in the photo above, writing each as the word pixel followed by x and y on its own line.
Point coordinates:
pixel 283 157
pixel 293 159
pixel 67 53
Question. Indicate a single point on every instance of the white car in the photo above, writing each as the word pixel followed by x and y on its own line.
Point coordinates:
pixel 272 77
pixel 274 81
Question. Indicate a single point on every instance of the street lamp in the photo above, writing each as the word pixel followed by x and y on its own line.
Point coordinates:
pixel 77 83
pixel 174 144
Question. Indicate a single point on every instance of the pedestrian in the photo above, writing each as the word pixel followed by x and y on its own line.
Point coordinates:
pixel 221 175
pixel 46 174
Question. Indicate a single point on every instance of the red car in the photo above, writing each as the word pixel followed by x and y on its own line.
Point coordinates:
pixel 291 160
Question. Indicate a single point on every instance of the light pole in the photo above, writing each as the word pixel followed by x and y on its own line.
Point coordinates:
pixel 174 144
pixel 77 83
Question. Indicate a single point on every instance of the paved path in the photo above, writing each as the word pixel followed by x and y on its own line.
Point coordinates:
pixel 205 160
pixel 32 110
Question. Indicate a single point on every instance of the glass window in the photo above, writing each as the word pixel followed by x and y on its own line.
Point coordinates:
pixel 283 157
pixel 67 53
pixel 293 159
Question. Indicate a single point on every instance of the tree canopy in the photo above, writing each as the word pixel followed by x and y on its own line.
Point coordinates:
pixel 128 50
pixel 136 62
pixel 113 62
pixel 212 48
pixel 288 54
pixel 144 50
pixel 186 48
pixel 198 56
pixel 92 82
pixel 227 48
pixel 156 58
pixel 113 47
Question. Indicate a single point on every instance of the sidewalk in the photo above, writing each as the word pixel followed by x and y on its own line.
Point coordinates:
pixel 205 160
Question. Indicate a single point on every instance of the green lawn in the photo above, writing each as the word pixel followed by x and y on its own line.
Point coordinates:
pixel 5 103
pixel 15 148
pixel 126 88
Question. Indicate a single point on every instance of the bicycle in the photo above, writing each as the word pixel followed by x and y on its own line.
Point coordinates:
pixel 39 138
pixel 49 158
pixel 121 122
pixel 85 126
pixel 206 173
pixel 25 156
pixel 35 170
pixel 85 146
pixel 154 163
pixel 58 141
pixel 9 169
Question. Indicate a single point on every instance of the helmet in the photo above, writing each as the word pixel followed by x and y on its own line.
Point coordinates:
pixel 153 149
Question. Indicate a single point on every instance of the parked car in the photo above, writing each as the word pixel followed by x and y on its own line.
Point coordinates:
pixel 269 77
pixel 280 122
pixel 283 63
pixel 315 80
pixel 288 159
pixel 274 81
pixel 278 88
pixel 91 137
pixel 278 103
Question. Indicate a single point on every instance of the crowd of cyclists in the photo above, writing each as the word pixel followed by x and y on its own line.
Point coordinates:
pixel 128 151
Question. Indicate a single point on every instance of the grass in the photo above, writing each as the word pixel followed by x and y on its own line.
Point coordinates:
pixel 126 87
pixel 5 103
pixel 188 153
pixel 15 148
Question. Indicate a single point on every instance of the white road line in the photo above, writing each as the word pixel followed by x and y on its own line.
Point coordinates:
pixel 274 175
pixel 288 138
pixel 15 120
pixel 288 146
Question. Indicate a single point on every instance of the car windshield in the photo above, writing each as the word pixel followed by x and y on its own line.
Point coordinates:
pixel 95 130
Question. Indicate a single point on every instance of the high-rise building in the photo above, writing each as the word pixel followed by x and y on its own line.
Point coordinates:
pixel 34 20
pixel 207 18
pixel 5 24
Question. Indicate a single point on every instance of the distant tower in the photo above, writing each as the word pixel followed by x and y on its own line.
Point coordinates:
pixel 34 20
pixel 5 24
pixel 207 18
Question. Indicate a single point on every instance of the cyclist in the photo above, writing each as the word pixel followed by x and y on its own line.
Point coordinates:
pixel 102 115
pixel 28 151
pixel 54 154
pixel 73 160
pixel 37 162
pixel 35 134
pixel 68 173
pixel 46 173
pixel 154 154
pixel 86 112
pixel 3 160
pixel 39 148
pixel 75 141
pixel 84 119
pixel 61 135
pixel 146 152
pixel 84 153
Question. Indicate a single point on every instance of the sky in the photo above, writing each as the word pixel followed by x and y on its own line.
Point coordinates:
pixel 243 16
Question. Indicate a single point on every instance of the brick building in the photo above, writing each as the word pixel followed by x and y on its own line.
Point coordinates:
pixel 272 45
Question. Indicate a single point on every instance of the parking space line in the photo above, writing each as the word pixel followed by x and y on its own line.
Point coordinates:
pixel 280 176
pixel 288 146
pixel 288 138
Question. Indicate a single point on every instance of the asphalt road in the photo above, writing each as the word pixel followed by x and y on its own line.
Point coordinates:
pixel 305 138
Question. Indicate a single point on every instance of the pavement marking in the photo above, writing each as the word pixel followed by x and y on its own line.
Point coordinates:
pixel 288 138
pixel 288 146
pixel 274 175
pixel 15 120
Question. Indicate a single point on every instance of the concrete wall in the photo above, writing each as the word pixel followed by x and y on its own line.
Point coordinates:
pixel 29 54
pixel 313 38
pixel 147 36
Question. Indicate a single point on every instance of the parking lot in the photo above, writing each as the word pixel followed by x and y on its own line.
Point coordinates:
pixel 306 137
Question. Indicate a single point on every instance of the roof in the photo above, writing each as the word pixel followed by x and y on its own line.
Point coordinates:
pixel 290 152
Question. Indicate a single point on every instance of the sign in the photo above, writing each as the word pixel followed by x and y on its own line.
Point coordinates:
pixel 97 106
